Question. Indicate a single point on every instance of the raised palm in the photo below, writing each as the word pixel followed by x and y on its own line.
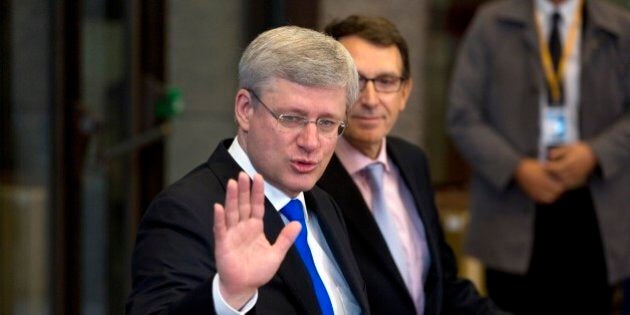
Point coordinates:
pixel 245 259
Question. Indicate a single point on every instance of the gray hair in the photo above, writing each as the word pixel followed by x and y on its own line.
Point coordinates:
pixel 299 55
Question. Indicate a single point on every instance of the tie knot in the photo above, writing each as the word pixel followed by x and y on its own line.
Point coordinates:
pixel 374 172
pixel 556 17
pixel 293 210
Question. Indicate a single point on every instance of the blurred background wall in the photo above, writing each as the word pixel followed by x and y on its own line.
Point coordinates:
pixel 104 102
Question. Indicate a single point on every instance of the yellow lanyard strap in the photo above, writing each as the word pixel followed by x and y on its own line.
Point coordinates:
pixel 553 78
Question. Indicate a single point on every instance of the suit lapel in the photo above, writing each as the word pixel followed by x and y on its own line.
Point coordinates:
pixel 519 15
pixel 330 222
pixel 423 202
pixel 416 187
pixel 358 216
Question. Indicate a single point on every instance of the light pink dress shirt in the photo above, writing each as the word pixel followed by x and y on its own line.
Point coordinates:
pixel 403 208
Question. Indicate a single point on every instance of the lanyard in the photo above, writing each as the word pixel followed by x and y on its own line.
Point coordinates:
pixel 553 78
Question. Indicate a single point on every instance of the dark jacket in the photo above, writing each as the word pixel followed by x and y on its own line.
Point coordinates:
pixel 173 260
pixel 445 293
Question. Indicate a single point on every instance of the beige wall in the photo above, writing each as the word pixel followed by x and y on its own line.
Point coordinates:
pixel 204 40
pixel 410 17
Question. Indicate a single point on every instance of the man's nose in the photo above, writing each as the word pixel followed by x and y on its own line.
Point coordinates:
pixel 369 95
pixel 309 136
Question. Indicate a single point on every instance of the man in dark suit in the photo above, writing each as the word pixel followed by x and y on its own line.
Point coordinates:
pixel 203 245
pixel 399 244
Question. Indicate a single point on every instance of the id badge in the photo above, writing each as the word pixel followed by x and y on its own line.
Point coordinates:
pixel 555 128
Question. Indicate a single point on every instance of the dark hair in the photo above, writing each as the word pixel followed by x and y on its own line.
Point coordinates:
pixel 376 30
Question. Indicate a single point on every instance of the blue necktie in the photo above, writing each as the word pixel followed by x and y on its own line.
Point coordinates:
pixel 384 218
pixel 293 212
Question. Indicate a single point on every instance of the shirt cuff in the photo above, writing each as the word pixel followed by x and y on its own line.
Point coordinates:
pixel 222 307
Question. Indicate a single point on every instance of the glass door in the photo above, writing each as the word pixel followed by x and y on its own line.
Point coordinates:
pixel 79 84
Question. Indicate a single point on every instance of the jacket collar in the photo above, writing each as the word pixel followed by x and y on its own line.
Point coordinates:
pixel 521 12
pixel 516 11
pixel 598 17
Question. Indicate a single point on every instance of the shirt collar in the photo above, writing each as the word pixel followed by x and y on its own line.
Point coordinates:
pixel 277 198
pixel 566 9
pixel 354 161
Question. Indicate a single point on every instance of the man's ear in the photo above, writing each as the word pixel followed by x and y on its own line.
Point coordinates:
pixel 406 91
pixel 243 109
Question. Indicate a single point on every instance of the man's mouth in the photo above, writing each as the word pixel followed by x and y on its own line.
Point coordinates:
pixel 304 165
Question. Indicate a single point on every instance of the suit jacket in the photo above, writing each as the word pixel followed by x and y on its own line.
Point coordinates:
pixel 444 292
pixel 494 117
pixel 173 260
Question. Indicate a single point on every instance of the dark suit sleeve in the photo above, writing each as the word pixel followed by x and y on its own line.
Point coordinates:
pixel 460 295
pixel 173 263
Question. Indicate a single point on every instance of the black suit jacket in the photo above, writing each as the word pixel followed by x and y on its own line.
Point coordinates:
pixel 444 292
pixel 173 260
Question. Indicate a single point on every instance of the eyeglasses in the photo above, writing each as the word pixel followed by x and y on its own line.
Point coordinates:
pixel 325 126
pixel 383 84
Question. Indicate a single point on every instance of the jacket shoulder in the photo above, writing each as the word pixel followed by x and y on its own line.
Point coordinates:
pixel 401 146
pixel 500 7
pixel 612 17
pixel 320 195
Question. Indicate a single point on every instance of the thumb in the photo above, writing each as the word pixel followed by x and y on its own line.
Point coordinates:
pixel 286 238
pixel 556 153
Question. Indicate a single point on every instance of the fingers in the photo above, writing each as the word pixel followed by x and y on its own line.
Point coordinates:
pixel 551 188
pixel 219 223
pixel 547 196
pixel 548 191
pixel 559 164
pixel 571 170
pixel 241 203
pixel 231 204
pixel 537 182
pixel 244 201
pixel 546 200
pixel 556 169
pixel 557 153
pixel 258 197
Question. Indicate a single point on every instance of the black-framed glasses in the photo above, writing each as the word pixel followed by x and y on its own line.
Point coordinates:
pixel 383 83
pixel 289 122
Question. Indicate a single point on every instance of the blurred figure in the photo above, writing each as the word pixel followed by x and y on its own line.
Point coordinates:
pixel 540 108
pixel 203 245
pixel 383 187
